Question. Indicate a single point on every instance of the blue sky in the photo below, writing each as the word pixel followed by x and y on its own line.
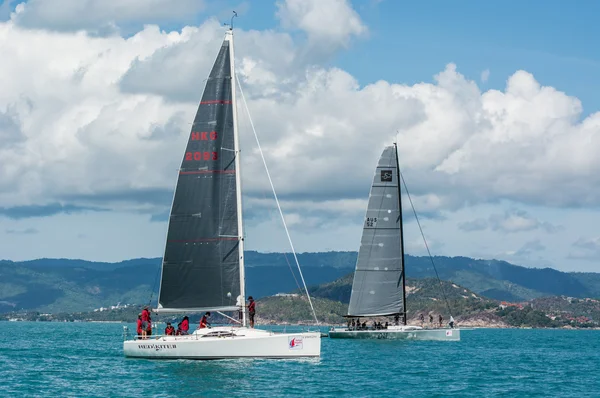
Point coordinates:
pixel 410 41
pixel 495 103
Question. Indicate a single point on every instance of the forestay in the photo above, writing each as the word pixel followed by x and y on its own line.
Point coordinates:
pixel 377 288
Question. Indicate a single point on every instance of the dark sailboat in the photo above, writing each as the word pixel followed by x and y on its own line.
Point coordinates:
pixel 203 263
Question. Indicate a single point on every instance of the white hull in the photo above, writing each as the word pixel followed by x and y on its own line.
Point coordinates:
pixel 398 333
pixel 232 343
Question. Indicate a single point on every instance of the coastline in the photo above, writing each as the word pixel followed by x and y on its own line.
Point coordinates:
pixel 329 325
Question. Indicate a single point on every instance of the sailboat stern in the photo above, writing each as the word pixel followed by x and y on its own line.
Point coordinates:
pixel 224 343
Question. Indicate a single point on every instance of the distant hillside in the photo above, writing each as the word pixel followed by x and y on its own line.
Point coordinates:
pixel 426 296
pixel 422 295
pixel 72 285
pixel 568 308
pixel 505 281
pixel 492 278
pixel 58 285
pixel 281 310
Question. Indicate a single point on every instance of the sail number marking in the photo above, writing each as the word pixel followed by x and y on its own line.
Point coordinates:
pixel 371 221
pixel 202 136
pixel 201 156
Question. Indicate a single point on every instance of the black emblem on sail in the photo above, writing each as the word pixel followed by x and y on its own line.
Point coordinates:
pixel 386 175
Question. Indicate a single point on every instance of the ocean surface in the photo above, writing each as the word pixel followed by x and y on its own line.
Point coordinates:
pixel 86 360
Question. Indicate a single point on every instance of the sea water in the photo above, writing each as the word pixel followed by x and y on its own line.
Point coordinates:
pixel 86 359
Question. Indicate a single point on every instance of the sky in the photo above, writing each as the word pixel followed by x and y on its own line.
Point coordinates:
pixel 494 107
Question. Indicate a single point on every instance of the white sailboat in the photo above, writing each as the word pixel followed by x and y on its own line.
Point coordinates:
pixel 378 288
pixel 203 263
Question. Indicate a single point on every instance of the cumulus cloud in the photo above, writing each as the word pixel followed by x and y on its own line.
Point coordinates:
pixel 34 211
pixel 531 253
pixel 102 121
pixel 528 141
pixel 530 247
pixel 26 231
pixel 509 222
pixel 417 246
pixel 586 249
pixel 101 16
pixel 10 127
pixel 519 221
pixel 479 224
pixel 178 70
pixel 327 23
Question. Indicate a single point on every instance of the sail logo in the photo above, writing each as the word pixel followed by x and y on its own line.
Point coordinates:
pixel 386 175
pixel 295 343
pixel 448 332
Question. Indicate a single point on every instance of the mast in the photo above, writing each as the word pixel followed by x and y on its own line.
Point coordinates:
pixel 403 274
pixel 238 178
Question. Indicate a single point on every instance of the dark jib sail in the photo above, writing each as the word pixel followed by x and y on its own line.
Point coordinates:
pixel 377 288
pixel 200 268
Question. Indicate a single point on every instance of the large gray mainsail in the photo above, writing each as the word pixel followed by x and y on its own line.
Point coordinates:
pixel 201 264
pixel 377 288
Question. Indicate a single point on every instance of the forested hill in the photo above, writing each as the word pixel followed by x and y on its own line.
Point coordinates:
pixel 55 285
pixel 492 278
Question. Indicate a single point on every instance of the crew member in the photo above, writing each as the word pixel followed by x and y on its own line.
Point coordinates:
pixel 204 321
pixel 251 310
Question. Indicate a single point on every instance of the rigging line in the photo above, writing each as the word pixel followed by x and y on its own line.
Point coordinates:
pixel 425 241
pixel 228 317
pixel 264 193
pixel 292 271
pixel 285 256
pixel 277 201
pixel 154 284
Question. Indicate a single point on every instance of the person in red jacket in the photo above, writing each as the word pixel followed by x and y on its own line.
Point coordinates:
pixel 251 310
pixel 139 325
pixel 204 321
pixel 145 321
pixel 185 325
pixel 169 330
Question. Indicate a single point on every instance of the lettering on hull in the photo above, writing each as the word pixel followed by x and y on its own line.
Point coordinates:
pixel 157 347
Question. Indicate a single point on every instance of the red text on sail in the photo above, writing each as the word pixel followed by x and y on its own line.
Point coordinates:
pixel 202 136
